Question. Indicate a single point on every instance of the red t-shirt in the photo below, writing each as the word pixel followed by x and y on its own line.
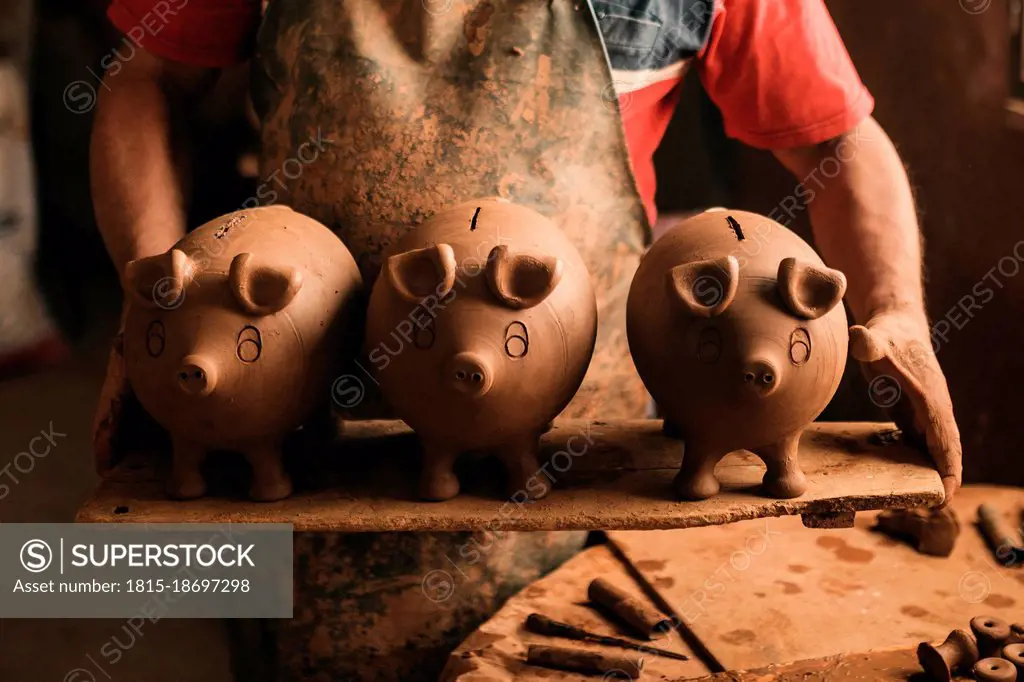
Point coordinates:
pixel 777 70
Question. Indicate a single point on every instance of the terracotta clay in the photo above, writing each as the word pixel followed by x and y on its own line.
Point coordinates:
pixel 233 337
pixel 480 329
pixel 991 633
pixel 1014 653
pixel 994 670
pixel 958 652
pixel 737 329
pixel 931 531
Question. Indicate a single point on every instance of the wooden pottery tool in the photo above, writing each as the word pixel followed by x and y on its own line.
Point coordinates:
pixel 1004 541
pixel 958 652
pixel 587 662
pixel 645 620
pixel 542 625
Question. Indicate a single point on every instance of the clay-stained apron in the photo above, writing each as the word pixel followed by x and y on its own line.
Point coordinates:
pixel 422 104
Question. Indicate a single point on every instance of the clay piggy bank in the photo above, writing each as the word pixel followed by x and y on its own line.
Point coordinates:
pixel 480 329
pixel 737 329
pixel 232 338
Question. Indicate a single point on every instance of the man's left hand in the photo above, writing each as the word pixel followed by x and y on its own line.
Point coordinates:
pixel 905 378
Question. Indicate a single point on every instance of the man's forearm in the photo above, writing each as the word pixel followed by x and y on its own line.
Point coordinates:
pixel 865 225
pixel 136 163
pixel 864 220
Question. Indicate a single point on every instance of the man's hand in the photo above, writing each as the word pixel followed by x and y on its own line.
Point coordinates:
pixel 866 226
pixel 905 378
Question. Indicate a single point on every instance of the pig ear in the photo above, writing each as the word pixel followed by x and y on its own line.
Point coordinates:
pixel 810 290
pixel 419 273
pixel 521 280
pixel 262 288
pixel 160 280
pixel 705 288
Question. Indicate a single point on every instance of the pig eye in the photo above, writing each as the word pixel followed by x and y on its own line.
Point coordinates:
pixel 424 335
pixel 709 345
pixel 250 344
pixel 517 340
pixel 155 338
pixel 799 346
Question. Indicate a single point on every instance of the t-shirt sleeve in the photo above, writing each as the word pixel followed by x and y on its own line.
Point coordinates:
pixel 207 33
pixel 780 74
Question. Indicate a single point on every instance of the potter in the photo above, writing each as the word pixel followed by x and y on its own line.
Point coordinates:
pixel 480 329
pixel 233 337
pixel 557 106
pixel 737 357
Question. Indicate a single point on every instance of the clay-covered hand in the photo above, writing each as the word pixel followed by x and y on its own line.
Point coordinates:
pixel 905 378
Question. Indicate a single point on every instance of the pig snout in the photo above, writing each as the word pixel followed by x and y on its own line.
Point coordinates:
pixel 197 375
pixel 470 373
pixel 760 376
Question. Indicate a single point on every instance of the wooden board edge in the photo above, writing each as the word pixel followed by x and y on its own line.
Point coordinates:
pixel 89 513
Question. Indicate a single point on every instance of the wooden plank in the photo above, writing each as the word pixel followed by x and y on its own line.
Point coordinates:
pixel 772 591
pixel 497 650
pixel 608 475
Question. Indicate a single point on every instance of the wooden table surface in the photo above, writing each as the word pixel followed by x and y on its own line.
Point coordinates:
pixel 608 475
pixel 879 666
pixel 771 597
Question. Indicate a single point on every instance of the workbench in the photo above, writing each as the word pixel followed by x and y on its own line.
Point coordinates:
pixel 769 597
pixel 614 476
pixel 607 475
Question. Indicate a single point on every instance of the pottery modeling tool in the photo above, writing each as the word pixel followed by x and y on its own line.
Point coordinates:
pixel 644 619
pixel 587 662
pixel 958 653
pixel 1004 541
pixel 542 625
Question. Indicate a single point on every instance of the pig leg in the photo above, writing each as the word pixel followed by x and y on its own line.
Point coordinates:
pixel 438 481
pixel 784 479
pixel 524 473
pixel 186 478
pixel 270 482
pixel 696 478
